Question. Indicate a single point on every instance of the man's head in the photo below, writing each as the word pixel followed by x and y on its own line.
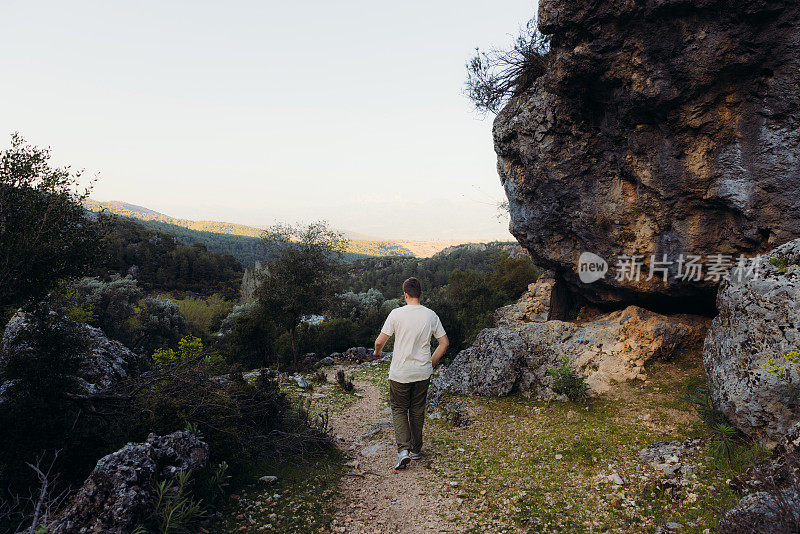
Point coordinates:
pixel 412 288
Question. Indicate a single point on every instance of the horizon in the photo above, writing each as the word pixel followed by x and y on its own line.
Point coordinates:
pixel 348 233
pixel 257 114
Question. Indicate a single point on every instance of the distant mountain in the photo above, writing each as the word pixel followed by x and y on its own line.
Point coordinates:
pixel 146 214
pixel 242 240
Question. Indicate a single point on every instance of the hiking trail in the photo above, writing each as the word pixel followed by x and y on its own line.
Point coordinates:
pixel 375 497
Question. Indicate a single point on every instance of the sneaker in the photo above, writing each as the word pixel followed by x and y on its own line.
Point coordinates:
pixel 403 459
pixel 416 456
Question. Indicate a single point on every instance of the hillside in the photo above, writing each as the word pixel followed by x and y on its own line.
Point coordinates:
pixel 146 214
pixel 240 240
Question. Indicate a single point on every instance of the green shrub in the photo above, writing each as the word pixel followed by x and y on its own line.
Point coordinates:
pixel 175 508
pixel 790 379
pixel 241 422
pixel 728 446
pixel 189 347
pixel 158 323
pixel 205 316
pixel 111 304
pixel 249 337
pixel 72 304
pixel 780 262
pixel 699 395
pixel 568 381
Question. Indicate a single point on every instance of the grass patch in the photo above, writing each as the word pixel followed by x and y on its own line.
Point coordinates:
pixel 302 500
pixel 545 467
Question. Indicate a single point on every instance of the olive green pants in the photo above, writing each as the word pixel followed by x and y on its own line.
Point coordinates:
pixel 408 413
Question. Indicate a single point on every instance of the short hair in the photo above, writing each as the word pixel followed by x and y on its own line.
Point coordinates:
pixel 413 288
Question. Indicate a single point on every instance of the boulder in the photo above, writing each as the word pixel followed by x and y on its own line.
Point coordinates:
pixel 613 347
pixel 764 512
pixel 327 361
pixel 759 319
pixel 310 358
pixel 107 362
pixel 120 492
pixel 358 354
pixel 656 128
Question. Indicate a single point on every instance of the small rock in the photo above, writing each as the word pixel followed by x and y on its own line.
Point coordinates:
pixel 377 428
pixel 268 479
pixel 371 450
pixel 558 457
pixel 615 479
pixel 301 382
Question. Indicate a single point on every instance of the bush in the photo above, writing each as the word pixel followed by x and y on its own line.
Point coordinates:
pixel 344 382
pixel 496 76
pixel 158 323
pixel 355 306
pixel 111 305
pixel 791 380
pixel 205 316
pixel 175 508
pixel 568 381
pixel 249 337
pixel 320 377
pixel 729 447
pixel 242 423
pixel 188 348
pixel 42 411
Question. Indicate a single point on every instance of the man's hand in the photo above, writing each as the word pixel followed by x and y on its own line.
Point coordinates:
pixel 379 343
pixel 440 350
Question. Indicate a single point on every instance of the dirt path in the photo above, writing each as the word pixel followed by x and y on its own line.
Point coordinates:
pixel 375 497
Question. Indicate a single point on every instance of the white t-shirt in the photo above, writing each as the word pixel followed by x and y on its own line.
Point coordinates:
pixel 412 326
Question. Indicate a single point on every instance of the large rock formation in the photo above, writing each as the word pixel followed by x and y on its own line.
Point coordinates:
pixel 659 127
pixel 106 362
pixel 611 347
pixel 119 494
pixel 759 319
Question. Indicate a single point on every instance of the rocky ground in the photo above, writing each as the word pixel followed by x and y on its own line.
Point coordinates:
pixel 521 465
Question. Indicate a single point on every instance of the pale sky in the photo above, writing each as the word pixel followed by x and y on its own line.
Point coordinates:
pixel 257 112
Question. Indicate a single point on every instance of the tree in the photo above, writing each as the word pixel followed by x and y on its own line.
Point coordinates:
pixel 303 270
pixel 45 234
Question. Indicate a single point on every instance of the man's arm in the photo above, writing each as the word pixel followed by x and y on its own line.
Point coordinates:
pixel 440 350
pixel 379 343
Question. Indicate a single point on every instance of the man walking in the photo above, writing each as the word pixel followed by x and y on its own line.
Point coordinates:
pixel 410 371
